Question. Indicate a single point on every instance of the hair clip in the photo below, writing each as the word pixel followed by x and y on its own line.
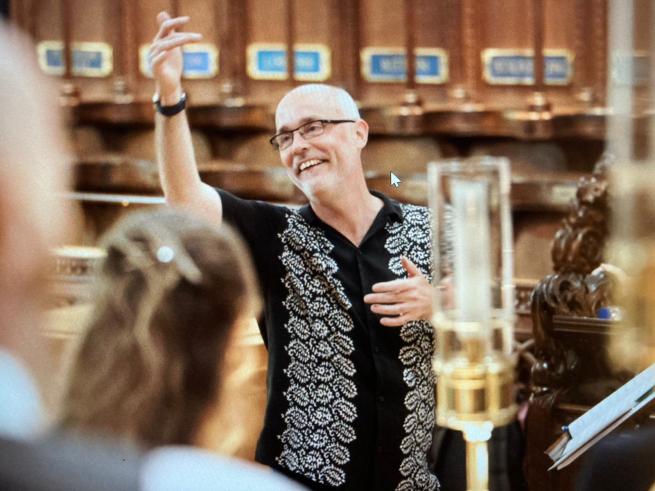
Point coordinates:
pixel 165 254
pixel 184 264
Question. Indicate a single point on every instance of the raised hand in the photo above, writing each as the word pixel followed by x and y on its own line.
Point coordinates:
pixel 404 300
pixel 165 56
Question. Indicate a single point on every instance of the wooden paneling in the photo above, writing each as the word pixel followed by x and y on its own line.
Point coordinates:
pixel 86 28
pixel 463 102
pixel 391 24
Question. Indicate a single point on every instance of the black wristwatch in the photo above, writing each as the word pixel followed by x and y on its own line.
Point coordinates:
pixel 169 110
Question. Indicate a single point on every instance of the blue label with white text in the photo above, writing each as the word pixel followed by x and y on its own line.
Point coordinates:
pixel 518 68
pixel 390 65
pixel 269 62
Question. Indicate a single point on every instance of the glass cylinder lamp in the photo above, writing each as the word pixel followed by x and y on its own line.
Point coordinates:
pixel 474 302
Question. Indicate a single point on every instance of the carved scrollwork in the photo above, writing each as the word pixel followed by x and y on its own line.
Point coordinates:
pixel 578 245
pixel 548 372
pixel 577 287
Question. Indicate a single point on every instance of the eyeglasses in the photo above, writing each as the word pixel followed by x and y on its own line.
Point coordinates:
pixel 310 130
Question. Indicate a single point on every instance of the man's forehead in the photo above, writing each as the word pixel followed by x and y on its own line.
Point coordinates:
pixel 296 108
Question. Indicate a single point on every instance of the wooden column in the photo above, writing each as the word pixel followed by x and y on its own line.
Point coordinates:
pixel 69 91
pixel 291 41
pixel 125 68
pixel 357 45
pixel 470 48
pixel 538 100
pixel 599 41
pixel 410 44
pixel 237 32
pixel 345 44
pixel 175 8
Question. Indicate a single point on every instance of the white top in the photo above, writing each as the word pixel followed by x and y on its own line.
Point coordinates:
pixel 178 468
pixel 20 403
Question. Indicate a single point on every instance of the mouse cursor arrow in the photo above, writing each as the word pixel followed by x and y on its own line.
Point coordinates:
pixel 395 180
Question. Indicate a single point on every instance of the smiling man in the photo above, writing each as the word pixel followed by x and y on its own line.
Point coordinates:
pixel 345 285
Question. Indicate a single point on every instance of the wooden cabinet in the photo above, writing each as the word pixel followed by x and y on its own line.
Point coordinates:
pixel 532 69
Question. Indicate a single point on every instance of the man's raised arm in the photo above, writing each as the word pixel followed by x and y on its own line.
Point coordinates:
pixel 178 171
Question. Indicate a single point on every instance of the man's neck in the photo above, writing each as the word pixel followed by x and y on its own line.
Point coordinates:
pixel 350 212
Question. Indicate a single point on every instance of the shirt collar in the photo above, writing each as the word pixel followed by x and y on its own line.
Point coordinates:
pixel 390 210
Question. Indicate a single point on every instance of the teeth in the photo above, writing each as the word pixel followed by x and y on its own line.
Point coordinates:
pixel 309 163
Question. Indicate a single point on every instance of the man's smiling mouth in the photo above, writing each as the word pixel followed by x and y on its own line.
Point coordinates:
pixel 307 164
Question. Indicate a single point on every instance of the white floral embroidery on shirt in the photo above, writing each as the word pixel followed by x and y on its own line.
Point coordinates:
pixel 411 237
pixel 318 421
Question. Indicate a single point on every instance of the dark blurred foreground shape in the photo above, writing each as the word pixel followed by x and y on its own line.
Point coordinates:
pixel 67 464
pixel 621 461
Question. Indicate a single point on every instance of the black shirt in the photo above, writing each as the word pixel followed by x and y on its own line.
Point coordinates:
pixel 350 402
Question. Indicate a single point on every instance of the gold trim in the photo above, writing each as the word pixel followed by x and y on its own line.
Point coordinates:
pixel 253 70
pixel 570 58
pixel 433 79
pixel 144 68
pixel 325 62
pixel 489 53
pixel 41 50
pixel 367 53
pixel 213 52
pixel 107 59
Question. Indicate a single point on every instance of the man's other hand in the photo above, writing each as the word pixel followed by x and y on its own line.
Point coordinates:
pixel 404 300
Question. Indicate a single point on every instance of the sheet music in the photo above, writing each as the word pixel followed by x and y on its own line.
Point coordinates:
pixel 613 406
pixel 604 417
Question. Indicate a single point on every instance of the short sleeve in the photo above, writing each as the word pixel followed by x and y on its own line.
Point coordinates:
pixel 258 223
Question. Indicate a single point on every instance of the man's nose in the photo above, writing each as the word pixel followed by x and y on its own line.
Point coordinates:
pixel 299 144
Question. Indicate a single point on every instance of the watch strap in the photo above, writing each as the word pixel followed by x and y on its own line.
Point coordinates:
pixel 170 110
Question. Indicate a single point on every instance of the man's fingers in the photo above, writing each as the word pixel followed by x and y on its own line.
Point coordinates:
pixel 393 309
pixel 162 16
pixel 373 298
pixel 173 41
pixel 178 39
pixel 157 59
pixel 393 321
pixel 168 26
pixel 390 286
pixel 410 267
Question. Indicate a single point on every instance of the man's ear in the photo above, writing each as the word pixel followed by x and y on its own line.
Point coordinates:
pixel 361 133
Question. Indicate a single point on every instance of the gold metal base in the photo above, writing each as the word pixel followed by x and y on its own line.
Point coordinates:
pixel 475 392
pixel 475 397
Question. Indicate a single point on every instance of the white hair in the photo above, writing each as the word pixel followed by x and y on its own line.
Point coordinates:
pixel 341 98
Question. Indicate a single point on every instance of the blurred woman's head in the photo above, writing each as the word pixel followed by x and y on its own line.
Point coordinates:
pixel 169 292
pixel 34 168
